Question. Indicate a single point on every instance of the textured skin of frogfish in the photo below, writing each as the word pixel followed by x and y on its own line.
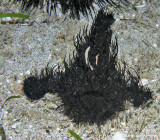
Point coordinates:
pixel 93 85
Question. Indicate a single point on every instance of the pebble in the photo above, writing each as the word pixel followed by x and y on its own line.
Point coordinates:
pixel 30 126
pixel 19 89
pixel 8 81
pixel 135 61
pixel 121 16
pixel 19 81
pixel 69 38
pixel 119 136
pixel 140 6
pixel 123 123
pixel 34 113
pixel 28 72
pixel 16 125
pixel 5 114
pixel 6 19
pixel 63 118
pixel 117 19
pixel 154 80
pixel 2 71
pixel 143 82
pixel 51 106
pixel 155 45
pixel 21 74
pixel 2 63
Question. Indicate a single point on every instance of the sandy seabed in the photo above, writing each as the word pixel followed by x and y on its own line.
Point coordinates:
pixel 29 45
